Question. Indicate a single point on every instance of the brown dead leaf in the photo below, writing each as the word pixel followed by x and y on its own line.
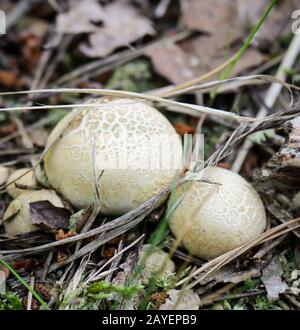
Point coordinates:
pixel 38 136
pixel 31 48
pixel 122 24
pixel 182 128
pixel 60 234
pixel 47 216
pixel 26 265
pixel 179 63
pixel 9 79
pixel 212 51
pixel 109 252
pixel 43 290
pixel 235 17
pixel 210 16
pixel 32 36
pixel 278 23
pixel 158 299
pixel 271 279
pixel 173 63
pixel 61 257
pixel 80 17
pixel 9 128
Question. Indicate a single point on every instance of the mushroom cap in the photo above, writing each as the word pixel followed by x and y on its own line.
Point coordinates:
pixel 181 300
pixel 21 223
pixel 154 263
pixel 26 180
pixel 97 139
pixel 217 216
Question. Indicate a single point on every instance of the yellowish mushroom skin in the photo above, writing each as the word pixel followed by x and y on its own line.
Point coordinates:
pixel 157 264
pixel 69 163
pixel 21 223
pixel 27 180
pixel 217 216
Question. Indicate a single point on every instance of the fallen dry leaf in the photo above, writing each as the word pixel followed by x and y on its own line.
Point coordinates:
pixel 80 17
pixel 9 79
pixel 38 136
pixel 235 17
pixel 47 216
pixel 211 16
pixel 9 128
pixel 231 276
pixel 182 128
pixel 271 278
pixel 122 24
pixel 198 56
pixel 173 63
pixel 60 234
pixel 277 23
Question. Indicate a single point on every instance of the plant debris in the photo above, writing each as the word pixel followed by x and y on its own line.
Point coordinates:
pixel 271 277
pixel 49 217
pixel 208 67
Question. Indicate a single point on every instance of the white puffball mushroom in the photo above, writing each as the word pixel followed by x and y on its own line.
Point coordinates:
pixel 218 214
pixel 20 223
pixel 27 180
pixel 158 264
pixel 95 141
pixel 4 174
pixel 178 300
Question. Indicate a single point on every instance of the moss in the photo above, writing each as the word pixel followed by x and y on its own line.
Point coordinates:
pixel 10 301
pixel 133 77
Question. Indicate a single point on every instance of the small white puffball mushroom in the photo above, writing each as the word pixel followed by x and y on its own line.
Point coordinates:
pixel 4 173
pixel 117 139
pixel 178 300
pixel 20 223
pixel 218 214
pixel 158 264
pixel 27 180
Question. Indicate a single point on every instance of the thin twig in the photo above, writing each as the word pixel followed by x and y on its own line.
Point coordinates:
pixel 271 96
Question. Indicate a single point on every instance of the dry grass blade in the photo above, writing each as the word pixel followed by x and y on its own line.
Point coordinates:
pixel 143 210
pixel 224 259
pixel 97 273
pixel 95 244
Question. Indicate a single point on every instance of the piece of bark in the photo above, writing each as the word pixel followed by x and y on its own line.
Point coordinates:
pixel 283 169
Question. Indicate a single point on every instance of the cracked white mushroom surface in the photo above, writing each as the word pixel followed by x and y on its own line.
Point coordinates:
pixel 20 207
pixel 217 216
pixel 105 138
pixel 157 264
pixel 18 177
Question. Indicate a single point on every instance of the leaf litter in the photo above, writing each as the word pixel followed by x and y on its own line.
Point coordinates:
pixel 102 30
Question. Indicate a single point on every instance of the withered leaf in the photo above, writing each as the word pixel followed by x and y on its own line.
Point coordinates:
pixel 210 16
pixel 196 57
pixel 173 63
pixel 80 17
pixel 49 217
pixel 235 17
pixel 272 281
pixel 122 24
